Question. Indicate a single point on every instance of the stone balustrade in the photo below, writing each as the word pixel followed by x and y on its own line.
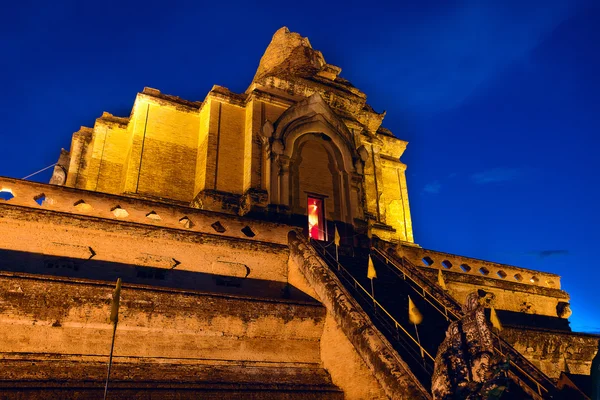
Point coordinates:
pixel 136 210
pixel 481 268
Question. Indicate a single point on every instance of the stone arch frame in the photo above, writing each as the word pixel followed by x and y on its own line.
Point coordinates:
pixel 341 210
pixel 314 115
pixel 307 120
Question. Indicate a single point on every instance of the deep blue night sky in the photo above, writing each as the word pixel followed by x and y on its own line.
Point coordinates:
pixel 500 101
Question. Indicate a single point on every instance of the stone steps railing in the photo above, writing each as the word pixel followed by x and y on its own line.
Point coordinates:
pixel 522 371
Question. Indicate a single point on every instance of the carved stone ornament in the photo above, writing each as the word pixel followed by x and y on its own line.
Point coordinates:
pixel 465 365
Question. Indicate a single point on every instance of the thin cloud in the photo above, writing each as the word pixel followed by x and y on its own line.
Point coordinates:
pixel 549 253
pixel 433 187
pixel 495 175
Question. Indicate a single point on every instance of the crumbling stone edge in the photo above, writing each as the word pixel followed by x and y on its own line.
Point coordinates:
pixel 392 373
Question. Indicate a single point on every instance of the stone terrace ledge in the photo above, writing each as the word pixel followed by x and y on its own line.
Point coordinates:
pixel 127 208
pixel 431 259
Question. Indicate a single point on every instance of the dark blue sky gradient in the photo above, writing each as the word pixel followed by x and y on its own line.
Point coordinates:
pixel 500 103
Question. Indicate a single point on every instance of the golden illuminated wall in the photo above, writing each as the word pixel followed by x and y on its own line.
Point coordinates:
pixel 241 152
pixel 385 188
pixel 167 155
pixel 202 147
pixel 174 149
pixel 231 143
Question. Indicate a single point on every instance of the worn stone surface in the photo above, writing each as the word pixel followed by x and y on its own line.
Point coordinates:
pixel 214 154
pixel 289 54
pixel 177 196
pixel 515 289
pixel 465 365
pixel 554 351
pixel 55 337
pixel 392 374
pixel 347 368
pixel 74 235
pixel 69 317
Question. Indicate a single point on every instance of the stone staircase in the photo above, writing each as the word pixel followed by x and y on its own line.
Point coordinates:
pixel 170 343
pixel 528 380
pixel 396 280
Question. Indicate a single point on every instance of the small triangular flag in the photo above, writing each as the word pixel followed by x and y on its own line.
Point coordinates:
pixel 114 306
pixel 494 319
pixel 414 315
pixel 441 281
pixel 336 237
pixel 371 273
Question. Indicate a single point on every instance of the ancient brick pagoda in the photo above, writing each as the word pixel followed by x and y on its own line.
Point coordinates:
pixel 220 217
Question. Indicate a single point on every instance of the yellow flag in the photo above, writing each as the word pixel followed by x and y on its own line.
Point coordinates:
pixel 336 237
pixel 441 280
pixel 114 306
pixel 494 319
pixel 371 273
pixel 414 315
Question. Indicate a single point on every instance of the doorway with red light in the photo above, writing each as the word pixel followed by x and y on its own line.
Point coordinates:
pixel 316 218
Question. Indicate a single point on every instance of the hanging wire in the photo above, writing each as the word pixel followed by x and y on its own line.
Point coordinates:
pixel 37 172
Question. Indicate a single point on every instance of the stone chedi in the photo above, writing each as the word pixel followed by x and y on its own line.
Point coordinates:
pixel 298 131
pixel 219 216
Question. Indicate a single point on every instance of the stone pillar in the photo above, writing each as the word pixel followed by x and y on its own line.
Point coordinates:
pixel 408 232
pixel 378 178
pixel 284 180
pixel 141 113
pixel 346 209
pixel 356 197
pixel 59 175
pixel 276 152
pixel 265 164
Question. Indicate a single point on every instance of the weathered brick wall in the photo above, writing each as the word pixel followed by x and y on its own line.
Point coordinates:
pixel 202 151
pixel 44 317
pixel 175 149
pixel 111 145
pixel 359 359
pixel 71 222
pixel 394 201
pixel 61 321
pixel 134 154
pixel 231 147
pixel 80 154
pixel 165 128
pixel 252 148
pixel 554 352
pixel 170 143
pixel 515 288
pixel 185 151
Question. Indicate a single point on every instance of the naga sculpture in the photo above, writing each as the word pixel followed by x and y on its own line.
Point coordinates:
pixel 465 365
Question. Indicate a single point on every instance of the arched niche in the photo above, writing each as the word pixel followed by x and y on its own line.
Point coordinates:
pixel 317 170
pixel 312 154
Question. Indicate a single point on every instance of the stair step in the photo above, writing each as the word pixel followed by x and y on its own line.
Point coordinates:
pixel 52 377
